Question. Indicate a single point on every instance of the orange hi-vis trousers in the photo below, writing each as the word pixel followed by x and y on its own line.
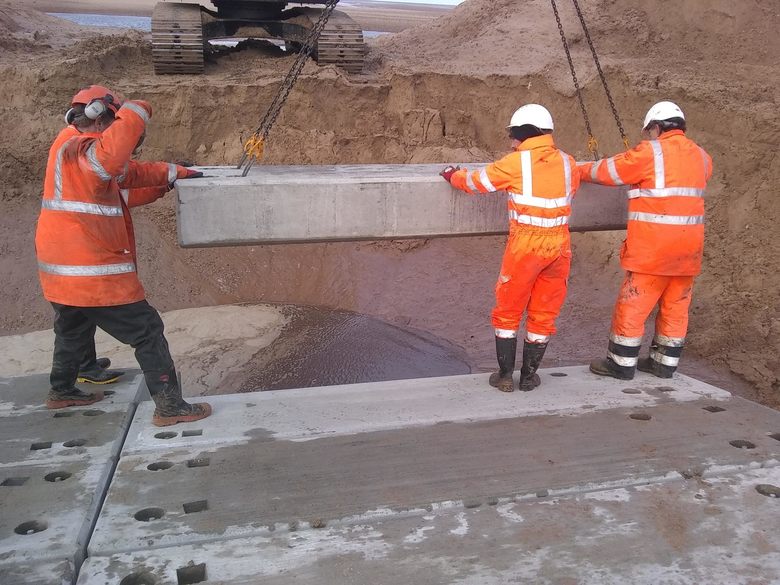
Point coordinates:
pixel 534 276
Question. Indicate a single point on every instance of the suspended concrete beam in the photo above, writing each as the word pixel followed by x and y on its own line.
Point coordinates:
pixel 288 204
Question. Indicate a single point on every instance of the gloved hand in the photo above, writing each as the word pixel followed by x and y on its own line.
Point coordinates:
pixel 185 173
pixel 447 173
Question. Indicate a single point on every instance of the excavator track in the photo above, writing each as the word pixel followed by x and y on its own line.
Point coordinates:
pixel 177 38
pixel 341 44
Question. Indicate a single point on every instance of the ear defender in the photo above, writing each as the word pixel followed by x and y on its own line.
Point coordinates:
pixel 69 116
pixel 95 109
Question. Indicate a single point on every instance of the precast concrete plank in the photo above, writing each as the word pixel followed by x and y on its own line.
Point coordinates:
pixel 24 394
pixel 47 511
pixel 309 413
pixel 64 435
pixel 264 483
pixel 38 573
pixel 283 204
pixel 719 530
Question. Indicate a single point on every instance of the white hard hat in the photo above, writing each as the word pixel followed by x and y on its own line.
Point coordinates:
pixel 663 111
pixel 532 114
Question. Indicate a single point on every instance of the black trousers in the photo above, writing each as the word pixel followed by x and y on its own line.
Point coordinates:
pixel 135 324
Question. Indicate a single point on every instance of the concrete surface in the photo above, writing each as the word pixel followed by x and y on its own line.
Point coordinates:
pixel 718 531
pixel 310 413
pixel 279 204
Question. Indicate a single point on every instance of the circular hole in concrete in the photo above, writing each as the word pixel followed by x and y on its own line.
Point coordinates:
pixel 62 414
pixel 93 412
pixel 159 465
pixel 168 435
pixel 768 490
pixel 558 375
pixel 742 444
pixel 57 476
pixel 140 578
pixel 149 514
pixel 640 416
pixel 631 391
pixel 664 388
pixel 75 443
pixel 31 527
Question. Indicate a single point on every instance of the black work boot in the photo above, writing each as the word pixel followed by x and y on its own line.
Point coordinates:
pixel 506 349
pixel 171 408
pixel 97 372
pixel 532 357
pixel 607 367
pixel 663 359
pixel 71 397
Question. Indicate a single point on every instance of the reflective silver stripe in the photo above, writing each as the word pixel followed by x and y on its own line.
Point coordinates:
pixel 506 333
pixel 663 359
pixel 58 169
pixel 705 162
pixel 532 201
pixel 485 180
pixel 566 174
pixel 666 219
pixel 539 221
pixel 536 338
pixel 525 169
pixel 125 193
pixel 613 174
pixel 98 270
pixel 669 341
pixel 594 170
pixel 626 362
pixel 470 183
pixel 172 172
pixel 80 207
pixel 95 163
pixel 137 109
pixel 627 341
pixel 658 162
pixel 123 176
pixel 666 192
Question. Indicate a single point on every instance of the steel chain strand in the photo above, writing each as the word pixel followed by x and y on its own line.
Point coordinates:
pixel 601 73
pixel 592 144
pixel 255 142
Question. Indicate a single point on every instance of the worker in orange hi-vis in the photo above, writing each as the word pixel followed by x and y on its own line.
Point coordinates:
pixel 86 249
pixel 540 181
pixel 663 248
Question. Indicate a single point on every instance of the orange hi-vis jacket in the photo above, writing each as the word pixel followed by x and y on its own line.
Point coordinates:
pixel 84 241
pixel 665 203
pixel 538 198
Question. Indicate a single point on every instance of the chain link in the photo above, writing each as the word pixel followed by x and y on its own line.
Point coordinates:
pixel 253 148
pixel 592 144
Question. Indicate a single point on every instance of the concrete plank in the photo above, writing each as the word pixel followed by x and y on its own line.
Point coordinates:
pixel 73 434
pixel 719 530
pixel 283 204
pixel 38 573
pixel 265 483
pixel 309 413
pixel 24 394
pixel 47 511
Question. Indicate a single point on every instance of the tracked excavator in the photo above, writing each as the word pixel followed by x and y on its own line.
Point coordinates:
pixel 181 31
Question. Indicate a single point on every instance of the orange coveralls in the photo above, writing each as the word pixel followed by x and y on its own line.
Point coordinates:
pixel 540 181
pixel 663 248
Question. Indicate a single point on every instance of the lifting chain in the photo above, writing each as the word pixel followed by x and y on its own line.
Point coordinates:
pixel 255 145
pixel 598 68
pixel 593 145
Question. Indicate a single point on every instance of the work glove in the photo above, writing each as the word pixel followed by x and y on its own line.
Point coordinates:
pixel 184 173
pixel 447 173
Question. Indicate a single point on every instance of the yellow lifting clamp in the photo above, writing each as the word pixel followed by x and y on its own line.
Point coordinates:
pixel 255 147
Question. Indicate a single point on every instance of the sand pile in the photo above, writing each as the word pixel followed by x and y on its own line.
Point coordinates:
pixel 441 92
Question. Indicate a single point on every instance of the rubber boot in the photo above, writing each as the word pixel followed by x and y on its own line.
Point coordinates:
pixel 532 357
pixel 72 397
pixel 98 373
pixel 607 367
pixel 171 408
pixel 506 349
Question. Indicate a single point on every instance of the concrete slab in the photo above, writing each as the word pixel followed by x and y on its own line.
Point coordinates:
pixel 38 573
pixel 264 483
pixel 24 394
pixel 282 204
pixel 309 413
pixel 719 530
pixel 47 512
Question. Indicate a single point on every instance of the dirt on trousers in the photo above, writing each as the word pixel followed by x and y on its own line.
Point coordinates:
pixel 440 92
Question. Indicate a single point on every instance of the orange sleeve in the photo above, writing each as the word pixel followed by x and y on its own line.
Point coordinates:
pixel 108 154
pixel 149 174
pixel 143 195
pixel 494 177
pixel 626 168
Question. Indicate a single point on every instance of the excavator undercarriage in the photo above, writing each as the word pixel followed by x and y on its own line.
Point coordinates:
pixel 180 32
